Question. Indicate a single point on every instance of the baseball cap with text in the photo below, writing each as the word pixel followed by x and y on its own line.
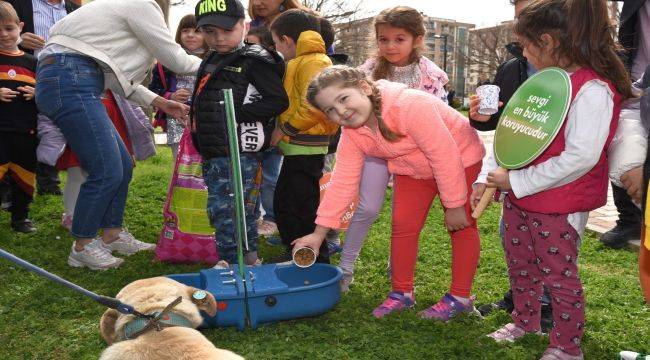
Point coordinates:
pixel 219 13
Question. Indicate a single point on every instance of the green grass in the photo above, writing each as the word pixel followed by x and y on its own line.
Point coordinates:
pixel 42 320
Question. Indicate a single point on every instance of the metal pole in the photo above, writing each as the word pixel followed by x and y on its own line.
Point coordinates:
pixel 444 60
pixel 236 180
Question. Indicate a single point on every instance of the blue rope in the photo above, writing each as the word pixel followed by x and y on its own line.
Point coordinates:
pixel 104 300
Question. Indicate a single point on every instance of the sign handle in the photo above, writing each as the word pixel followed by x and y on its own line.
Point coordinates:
pixel 484 202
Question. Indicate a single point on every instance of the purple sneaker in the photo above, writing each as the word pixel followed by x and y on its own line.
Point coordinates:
pixel 394 302
pixel 447 308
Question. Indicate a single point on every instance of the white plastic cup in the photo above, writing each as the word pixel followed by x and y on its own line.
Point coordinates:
pixel 304 257
pixel 489 95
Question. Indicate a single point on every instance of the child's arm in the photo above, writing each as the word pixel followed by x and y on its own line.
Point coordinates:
pixel 304 116
pixel 273 101
pixel 343 188
pixel 425 125
pixel 344 184
pixel 585 134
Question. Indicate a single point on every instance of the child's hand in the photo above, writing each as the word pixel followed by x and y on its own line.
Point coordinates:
pixel 313 240
pixel 276 136
pixel 181 95
pixel 28 92
pixel 633 182
pixel 500 178
pixel 7 95
pixel 474 104
pixel 455 219
pixel 477 193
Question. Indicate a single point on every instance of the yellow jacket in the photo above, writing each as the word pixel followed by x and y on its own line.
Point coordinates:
pixel 304 125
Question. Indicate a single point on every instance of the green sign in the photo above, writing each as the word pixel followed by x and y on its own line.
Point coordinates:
pixel 532 118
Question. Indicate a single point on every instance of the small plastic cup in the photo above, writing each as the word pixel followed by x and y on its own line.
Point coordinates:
pixel 304 257
pixel 489 95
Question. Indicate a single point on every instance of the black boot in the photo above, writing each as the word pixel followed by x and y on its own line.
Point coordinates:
pixel 23 226
pixel 618 237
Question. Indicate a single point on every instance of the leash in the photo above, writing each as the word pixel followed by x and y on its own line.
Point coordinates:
pixel 104 300
pixel 155 322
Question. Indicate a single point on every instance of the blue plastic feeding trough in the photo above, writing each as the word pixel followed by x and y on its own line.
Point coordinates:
pixel 272 293
pixel 267 293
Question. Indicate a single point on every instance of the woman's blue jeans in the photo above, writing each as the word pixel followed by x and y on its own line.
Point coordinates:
pixel 68 91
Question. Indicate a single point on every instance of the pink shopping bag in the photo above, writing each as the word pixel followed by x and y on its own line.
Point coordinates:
pixel 187 236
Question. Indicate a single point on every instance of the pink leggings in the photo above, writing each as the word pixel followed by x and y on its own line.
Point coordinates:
pixel 411 203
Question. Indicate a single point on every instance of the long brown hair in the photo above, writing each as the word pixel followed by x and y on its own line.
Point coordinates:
pixel 188 22
pixel 287 4
pixel 350 77
pixel 402 17
pixel 584 33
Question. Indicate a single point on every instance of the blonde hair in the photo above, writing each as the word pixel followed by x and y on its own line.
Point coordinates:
pixel 349 77
pixel 8 13
pixel 402 17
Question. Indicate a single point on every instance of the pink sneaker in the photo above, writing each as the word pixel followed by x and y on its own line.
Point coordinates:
pixel 447 308
pixel 395 301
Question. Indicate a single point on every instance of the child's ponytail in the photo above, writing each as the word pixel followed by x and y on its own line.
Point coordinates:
pixel 584 32
pixel 350 78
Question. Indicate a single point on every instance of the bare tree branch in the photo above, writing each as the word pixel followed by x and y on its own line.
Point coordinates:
pixel 334 10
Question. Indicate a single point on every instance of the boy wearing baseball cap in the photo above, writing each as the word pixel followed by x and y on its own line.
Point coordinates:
pixel 255 76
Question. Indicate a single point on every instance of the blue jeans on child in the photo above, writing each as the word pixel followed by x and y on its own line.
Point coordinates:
pixel 271 160
pixel 68 91
pixel 221 210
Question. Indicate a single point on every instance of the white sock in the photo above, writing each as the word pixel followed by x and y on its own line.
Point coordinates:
pixel 462 300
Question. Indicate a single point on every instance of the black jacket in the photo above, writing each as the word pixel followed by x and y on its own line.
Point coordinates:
pixel 25 12
pixel 510 75
pixel 255 76
pixel 628 32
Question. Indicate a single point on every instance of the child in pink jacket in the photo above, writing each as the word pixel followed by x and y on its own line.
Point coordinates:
pixel 400 33
pixel 430 148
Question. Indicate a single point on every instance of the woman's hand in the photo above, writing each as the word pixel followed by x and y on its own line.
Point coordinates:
pixel 633 182
pixel 474 104
pixel 313 240
pixel 28 92
pixel 172 108
pixel 31 41
pixel 477 193
pixel 500 179
pixel 7 95
pixel 181 95
pixel 456 219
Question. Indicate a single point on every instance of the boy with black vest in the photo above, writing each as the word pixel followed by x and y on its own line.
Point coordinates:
pixel 255 76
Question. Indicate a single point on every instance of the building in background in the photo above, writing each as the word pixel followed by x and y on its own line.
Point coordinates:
pixel 487 50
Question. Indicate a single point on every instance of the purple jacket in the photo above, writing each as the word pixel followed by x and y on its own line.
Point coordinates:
pixel 52 142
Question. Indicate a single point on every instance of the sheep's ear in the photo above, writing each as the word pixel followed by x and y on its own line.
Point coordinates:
pixel 107 325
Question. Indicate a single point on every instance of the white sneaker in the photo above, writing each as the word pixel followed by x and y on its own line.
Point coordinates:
pixel 266 228
pixel 126 244
pixel 221 264
pixel 93 256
